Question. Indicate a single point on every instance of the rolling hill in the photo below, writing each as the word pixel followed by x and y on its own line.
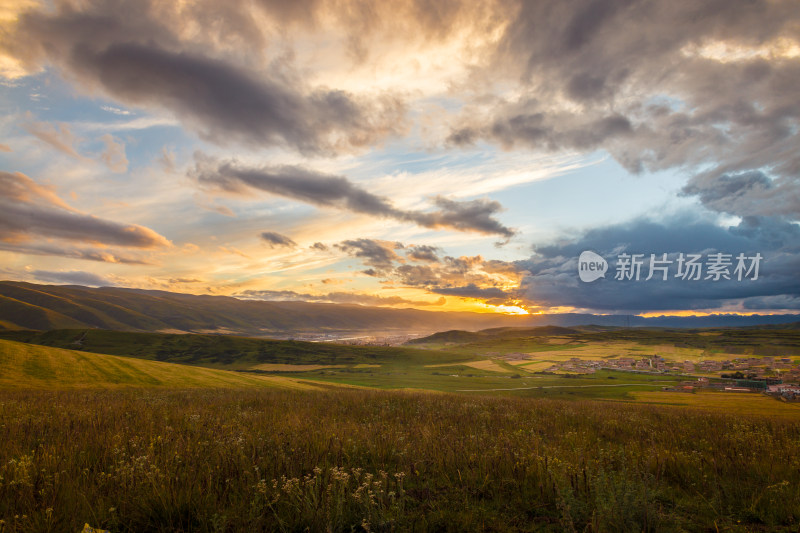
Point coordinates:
pixel 772 341
pixel 46 307
pixel 25 366
pixel 459 337
pixel 218 351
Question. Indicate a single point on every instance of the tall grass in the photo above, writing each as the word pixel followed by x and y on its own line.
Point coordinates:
pixel 216 460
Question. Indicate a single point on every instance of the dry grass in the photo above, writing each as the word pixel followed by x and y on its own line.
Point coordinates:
pixel 558 340
pixel 281 367
pixel 246 460
pixel 483 364
pixel 615 350
pixel 726 402
pixel 531 366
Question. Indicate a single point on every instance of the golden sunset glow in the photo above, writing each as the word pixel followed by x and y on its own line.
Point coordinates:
pixel 457 158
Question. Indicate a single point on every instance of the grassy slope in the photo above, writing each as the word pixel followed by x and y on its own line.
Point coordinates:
pixel 25 366
pixel 224 351
pixel 733 341
pixel 734 403
pixel 374 367
pixel 386 367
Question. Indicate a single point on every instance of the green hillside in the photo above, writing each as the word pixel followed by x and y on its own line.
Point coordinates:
pixel 493 334
pixel 322 363
pixel 25 366
pixel 783 341
pixel 222 351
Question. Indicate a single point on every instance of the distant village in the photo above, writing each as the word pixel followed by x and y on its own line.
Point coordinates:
pixel 777 376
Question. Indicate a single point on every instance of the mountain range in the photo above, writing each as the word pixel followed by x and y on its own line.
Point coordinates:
pixel 45 307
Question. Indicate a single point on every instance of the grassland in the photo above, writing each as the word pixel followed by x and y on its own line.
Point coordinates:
pixel 215 460
pixel 337 365
pixel 316 437
pixel 682 344
pixel 224 351
pixel 734 403
pixel 25 366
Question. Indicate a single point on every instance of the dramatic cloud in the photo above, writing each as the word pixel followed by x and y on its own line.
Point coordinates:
pixel 139 61
pixel 748 194
pixel 380 255
pixel 28 210
pixel 552 272
pixel 423 253
pixel 473 291
pixel 465 277
pixel 705 87
pixel 88 254
pixel 524 123
pixel 326 190
pixel 695 98
pixel 274 239
pixel 335 297
pixel 72 277
pixel 474 215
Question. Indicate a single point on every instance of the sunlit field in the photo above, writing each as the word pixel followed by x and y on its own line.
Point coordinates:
pixel 734 403
pixel 36 367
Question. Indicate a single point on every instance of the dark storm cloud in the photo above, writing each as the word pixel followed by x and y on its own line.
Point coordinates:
pixel 326 190
pixel 334 297
pixel 28 210
pixel 276 239
pixel 783 301
pixel 72 277
pixel 552 272
pixel 747 194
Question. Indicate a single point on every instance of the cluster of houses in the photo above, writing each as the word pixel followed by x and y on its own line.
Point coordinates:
pixel 773 386
pixel 771 375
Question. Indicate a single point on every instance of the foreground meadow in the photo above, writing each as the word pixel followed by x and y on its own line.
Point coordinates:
pixel 250 460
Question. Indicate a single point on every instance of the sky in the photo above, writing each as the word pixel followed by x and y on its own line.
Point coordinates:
pixel 448 155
